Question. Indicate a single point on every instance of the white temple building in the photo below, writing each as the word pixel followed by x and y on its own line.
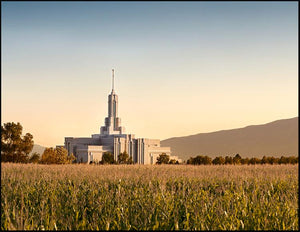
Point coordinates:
pixel 112 138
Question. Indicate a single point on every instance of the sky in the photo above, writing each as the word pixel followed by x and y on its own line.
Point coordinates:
pixel 181 68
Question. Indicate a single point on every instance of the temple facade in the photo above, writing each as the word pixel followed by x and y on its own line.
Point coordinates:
pixel 112 138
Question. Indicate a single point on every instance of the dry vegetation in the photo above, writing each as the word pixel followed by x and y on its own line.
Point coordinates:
pixel 164 197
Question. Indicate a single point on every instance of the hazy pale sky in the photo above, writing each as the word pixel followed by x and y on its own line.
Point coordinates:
pixel 181 68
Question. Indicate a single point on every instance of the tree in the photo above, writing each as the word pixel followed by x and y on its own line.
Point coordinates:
pixel 173 161
pixel 57 155
pixel 198 160
pixel 228 160
pixel 245 161
pixel 218 160
pixel 34 158
pixel 271 160
pixel 48 156
pixel 190 161
pixel 283 160
pixel 123 158
pixel 163 159
pixel 71 158
pixel 130 161
pixel 107 158
pixel 264 160
pixel 293 159
pixel 254 161
pixel 14 147
pixel 61 155
pixel 202 160
pixel 207 160
pixel 237 159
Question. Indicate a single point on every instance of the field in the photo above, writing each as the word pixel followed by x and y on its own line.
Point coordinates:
pixel 158 197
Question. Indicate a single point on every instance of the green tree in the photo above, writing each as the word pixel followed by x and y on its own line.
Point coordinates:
pixel 123 158
pixel 48 156
pixel 190 161
pixel 237 159
pixel 207 160
pixel 228 160
pixel 71 158
pixel 57 155
pixel 198 160
pixel 14 147
pixel 163 159
pixel 108 158
pixel 292 159
pixel 61 155
pixel 34 158
pixel 283 160
pixel 130 161
pixel 218 160
pixel 272 160
pixel 264 160
pixel 173 161
pixel 245 161
pixel 254 161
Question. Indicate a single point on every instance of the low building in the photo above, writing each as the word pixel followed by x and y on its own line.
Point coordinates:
pixel 112 138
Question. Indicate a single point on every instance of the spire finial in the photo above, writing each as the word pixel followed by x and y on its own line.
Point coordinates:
pixel 113 79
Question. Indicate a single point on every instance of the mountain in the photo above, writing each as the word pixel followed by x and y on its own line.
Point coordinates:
pixel 272 139
pixel 37 148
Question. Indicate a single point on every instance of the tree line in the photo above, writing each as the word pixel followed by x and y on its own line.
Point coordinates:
pixel 237 159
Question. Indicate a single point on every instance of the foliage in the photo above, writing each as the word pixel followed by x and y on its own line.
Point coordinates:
pixel 174 197
pixel 228 160
pixel 163 159
pixel 254 161
pixel 57 155
pixel 34 158
pixel 245 161
pixel 288 160
pixel 130 160
pixel 218 160
pixel 14 147
pixel 123 158
pixel 71 159
pixel 49 156
pixel 237 159
pixel 108 158
pixel 173 161
pixel 200 160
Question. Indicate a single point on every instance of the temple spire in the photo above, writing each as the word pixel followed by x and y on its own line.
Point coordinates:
pixel 112 121
pixel 113 79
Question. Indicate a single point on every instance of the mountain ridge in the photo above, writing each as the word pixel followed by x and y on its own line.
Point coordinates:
pixel 229 129
pixel 274 138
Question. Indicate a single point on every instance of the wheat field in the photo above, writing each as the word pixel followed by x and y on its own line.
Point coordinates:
pixel 145 197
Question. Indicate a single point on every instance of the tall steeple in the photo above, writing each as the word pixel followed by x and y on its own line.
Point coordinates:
pixel 112 122
pixel 113 80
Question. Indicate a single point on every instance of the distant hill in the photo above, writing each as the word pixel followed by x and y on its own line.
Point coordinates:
pixel 37 148
pixel 272 139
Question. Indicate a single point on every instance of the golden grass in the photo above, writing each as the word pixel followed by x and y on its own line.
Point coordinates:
pixel 143 197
